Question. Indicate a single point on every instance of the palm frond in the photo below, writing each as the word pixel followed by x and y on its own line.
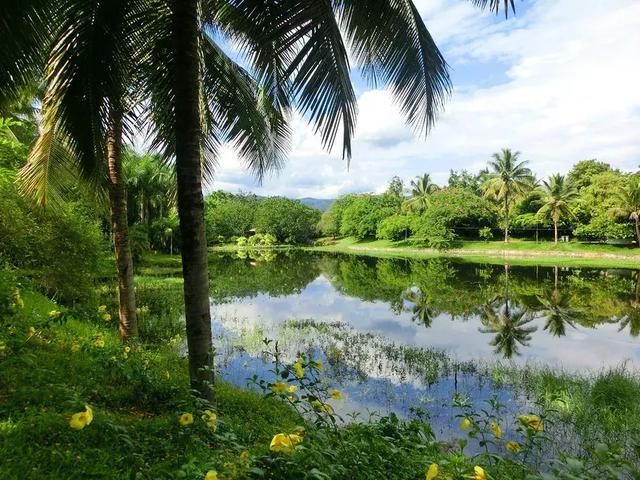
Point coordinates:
pixel 392 45
pixel 241 113
pixel 297 50
pixel 496 5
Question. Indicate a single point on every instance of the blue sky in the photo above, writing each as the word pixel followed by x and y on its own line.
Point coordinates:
pixel 559 82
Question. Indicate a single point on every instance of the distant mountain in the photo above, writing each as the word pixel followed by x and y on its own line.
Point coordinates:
pixel 321 204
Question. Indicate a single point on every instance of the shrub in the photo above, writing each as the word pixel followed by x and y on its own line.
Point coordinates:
pixel 395 227
pixel 485 234
pixel 241 241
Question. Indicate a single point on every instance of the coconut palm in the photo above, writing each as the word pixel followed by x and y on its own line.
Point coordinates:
pixel 421 189
pixel 559 194
pixel 193 91
pixel 629 200
pixel 508 180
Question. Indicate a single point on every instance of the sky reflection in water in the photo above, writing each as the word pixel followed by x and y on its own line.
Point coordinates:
pixel 578 320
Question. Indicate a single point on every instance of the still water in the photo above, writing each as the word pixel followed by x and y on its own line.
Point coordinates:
pixel 398 334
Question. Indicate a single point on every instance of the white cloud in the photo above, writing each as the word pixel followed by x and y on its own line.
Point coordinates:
pixel 570 92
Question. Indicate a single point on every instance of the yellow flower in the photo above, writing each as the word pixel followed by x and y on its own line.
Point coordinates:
pixel 81 419
pixel 298 369
pixel 75 347
pixel 106 317
pixel 497 431
pixel 318 364
pixel 102 308
pixel 531 421
pixel 335 394
pixel 17 299
pixel 279 387
pixel 316 404
pixel 186 419
pixel 465 424
pixel 210 419
pixel 211 475
pixel 513 447
pixel 327 408
pixel 244 456
pixel 432 472
pixel 292 388
pixel 479 473
pixel 54 314
pixel 285 442
pixel 127 349
pixel 32 331
pixel 99 342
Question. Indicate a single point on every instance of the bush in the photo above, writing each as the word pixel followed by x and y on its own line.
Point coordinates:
pixel 289 221
pixel 485 234
pixel 10 298
pixel 435 233
pixel 395 227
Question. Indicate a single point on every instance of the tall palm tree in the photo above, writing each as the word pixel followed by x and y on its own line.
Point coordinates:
pixel 421 189
pixel 508 180
pixel 559 193
pixel 298 52
pixel 629 200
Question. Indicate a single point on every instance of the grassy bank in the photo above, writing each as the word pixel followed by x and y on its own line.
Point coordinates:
pixel 517 252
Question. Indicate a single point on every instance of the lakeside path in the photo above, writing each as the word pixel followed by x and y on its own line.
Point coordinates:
pixel 528 257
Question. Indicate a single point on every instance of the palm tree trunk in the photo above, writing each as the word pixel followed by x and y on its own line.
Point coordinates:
pixel 118 201
pixel 506 220
pixel 555 231
pixel 190 199
pixel 638 231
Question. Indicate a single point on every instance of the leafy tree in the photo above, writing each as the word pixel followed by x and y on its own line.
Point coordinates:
pixel 229 215
pixel 582 173
pixel 331 221
pixel 290 221
pixel 559 194
pixel 463 180
pixel 421 190
pixel 395 227
pixel 396 187
pixel 507 181
pixel 629 201
pixel 364 213
pixel 460 211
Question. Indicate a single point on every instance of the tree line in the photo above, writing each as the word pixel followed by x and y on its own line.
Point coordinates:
pixel 593 202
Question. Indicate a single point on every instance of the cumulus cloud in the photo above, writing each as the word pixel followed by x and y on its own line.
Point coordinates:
pixel 567 90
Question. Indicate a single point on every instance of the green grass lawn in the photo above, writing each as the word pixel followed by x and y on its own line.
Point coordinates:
pixel 518 251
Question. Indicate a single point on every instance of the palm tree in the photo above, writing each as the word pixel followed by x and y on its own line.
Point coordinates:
pixel 632 318
pixel 559 194
pixel 421 189
pixel 197 97
pixel 629 200
pixel 507 180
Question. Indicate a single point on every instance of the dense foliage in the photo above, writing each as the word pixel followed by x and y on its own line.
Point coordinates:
pixel 593 202
pixel 229 217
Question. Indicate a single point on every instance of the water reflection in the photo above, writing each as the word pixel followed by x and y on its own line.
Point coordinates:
pixel 574 318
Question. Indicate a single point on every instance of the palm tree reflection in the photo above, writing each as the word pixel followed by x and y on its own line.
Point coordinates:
pixel 421 310
pixel 631 318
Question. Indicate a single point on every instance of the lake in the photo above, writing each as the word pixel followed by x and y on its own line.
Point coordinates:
pixel 400 334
